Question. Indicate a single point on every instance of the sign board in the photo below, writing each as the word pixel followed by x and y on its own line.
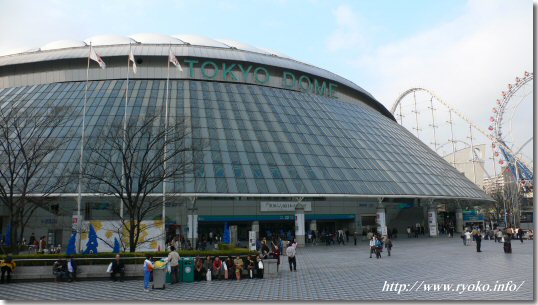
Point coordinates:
pixel 432 223
pixel 76 222
pixel 283 206
pixel 252 240
pixel 470 216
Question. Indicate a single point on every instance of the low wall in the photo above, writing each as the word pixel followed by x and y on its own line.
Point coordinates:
pixel 86 272
pixel 98 272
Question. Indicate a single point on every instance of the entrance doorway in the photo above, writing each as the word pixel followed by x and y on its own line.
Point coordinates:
pixel 282 229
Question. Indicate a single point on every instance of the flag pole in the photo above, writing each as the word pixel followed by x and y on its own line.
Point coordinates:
pixel 165 139
pixel 124 134
pixel 79 198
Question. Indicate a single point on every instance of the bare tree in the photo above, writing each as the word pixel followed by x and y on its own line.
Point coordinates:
pixel 129 164
pixel 28 142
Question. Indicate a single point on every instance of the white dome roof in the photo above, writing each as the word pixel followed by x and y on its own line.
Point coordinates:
pixel 200 40
pixel 107 40
pixel 150 38
pixel 241 46
pixel 63 44
pixel 274 53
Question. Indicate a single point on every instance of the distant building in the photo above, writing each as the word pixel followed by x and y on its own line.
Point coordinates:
pixel 470 164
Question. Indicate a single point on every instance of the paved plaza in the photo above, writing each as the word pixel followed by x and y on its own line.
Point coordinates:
pixel 339 273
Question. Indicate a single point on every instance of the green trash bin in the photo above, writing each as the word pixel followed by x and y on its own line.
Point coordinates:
pixel 168 277
pixel 187 269
pixel 180 264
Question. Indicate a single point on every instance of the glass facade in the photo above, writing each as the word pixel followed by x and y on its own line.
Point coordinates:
pixel 261 140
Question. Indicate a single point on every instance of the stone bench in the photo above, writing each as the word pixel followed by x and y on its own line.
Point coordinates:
pixel 87 272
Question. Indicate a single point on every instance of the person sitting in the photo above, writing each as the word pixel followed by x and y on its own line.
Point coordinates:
pixel 259 267
pixel 7 266
pixel 208 267
pixel 231 267
pixel 71 269
pixel 59 270
pixel 199 270
pixel 238 262
pixel 218 269
pixel 251 267
pixel 117 267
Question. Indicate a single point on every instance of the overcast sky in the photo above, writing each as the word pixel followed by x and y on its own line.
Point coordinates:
pixel 465 51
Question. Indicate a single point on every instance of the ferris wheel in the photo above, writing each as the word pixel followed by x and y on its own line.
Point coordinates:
pixel 511 130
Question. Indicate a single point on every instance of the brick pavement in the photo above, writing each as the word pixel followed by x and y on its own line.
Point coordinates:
pixel 333 273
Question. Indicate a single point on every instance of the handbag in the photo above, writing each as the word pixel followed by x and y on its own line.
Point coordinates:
pixel 109 269
pixel 502 239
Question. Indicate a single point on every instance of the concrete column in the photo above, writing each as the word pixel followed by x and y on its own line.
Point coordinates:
pixel 299 225
pixel 432 221
pixel 381 219
pixel 459 220
pixel 192 223
pixel 256 228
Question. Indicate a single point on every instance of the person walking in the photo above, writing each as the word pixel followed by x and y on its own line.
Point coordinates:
pixel 408 232
pixel 520 234
pixel 292 260
pixel 355 236
pixel 467 238
pixel 148 268
pixel 173 258
pixel 372 246
pixel 478 240
pixel 388 245
pixel 378 248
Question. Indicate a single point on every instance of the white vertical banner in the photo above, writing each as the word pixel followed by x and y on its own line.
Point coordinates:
pixel 432 221
pixel 252 240
pixel 192 222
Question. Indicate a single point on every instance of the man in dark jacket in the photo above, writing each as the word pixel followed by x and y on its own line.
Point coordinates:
pixel 117 267
pixel 478 240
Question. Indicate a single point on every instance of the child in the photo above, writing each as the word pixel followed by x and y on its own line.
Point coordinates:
pixel 148 268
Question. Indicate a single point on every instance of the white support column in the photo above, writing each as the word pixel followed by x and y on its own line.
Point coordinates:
pixel 381 218
pixel 256 228
pixel 299 224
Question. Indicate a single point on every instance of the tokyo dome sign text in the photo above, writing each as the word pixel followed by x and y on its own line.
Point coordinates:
pixel 249 73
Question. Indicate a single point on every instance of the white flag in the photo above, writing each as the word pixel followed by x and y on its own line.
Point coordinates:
pixel 131 58
pixel 97 58
pixel 172 58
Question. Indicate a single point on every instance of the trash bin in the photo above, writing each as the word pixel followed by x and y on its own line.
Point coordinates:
pixel 159 274
pixel 187 269
pixel 180 264
pixel 168 277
